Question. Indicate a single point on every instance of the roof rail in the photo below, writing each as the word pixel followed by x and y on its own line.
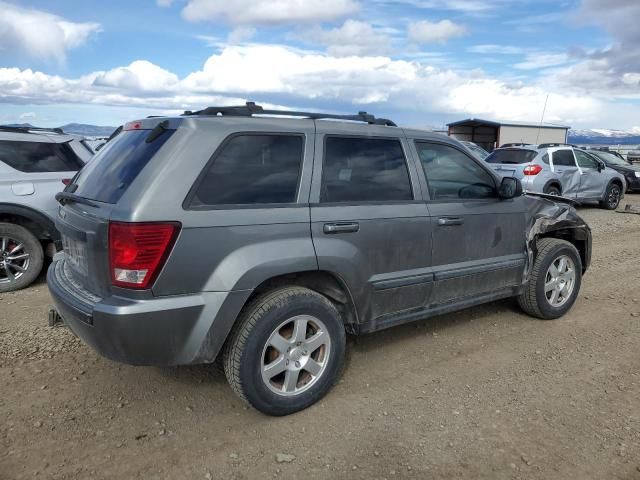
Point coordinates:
pixel 251 109
pixel 549 145
pixel 20 129
pixel 508 145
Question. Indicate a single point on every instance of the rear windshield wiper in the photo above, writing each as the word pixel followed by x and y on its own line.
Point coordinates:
pixel 157 131
pixel 65 197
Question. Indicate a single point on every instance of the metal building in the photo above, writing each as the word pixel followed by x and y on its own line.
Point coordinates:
pixel 492 134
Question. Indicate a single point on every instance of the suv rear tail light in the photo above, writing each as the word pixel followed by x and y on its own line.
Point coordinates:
pixel 532 169
pixel 138 251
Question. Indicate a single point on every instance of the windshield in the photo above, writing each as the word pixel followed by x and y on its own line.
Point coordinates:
pixel 479 151
pixel 511 155
pixel 610 158
pixel 108 175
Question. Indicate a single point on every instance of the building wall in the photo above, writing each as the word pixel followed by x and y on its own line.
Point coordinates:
pixel 533 135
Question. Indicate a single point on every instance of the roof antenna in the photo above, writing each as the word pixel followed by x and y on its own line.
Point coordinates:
pixel 544 110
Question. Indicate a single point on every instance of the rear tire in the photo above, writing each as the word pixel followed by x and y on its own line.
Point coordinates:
pixel 612 197
pixel 279 340
pixel 553 190
pixel 21 257
pixel 552 290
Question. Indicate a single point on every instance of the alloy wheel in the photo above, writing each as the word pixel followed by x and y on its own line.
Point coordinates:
pixel 295 355
pixel 560 281
pixel 14 260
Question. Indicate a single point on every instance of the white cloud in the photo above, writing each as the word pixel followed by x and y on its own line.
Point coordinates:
pixel 40 34
pixel 302 78
pixel 353 38
pixel 267 12
pixel 240 34
pixel 425 31
pixel 496 50
pixel 537 61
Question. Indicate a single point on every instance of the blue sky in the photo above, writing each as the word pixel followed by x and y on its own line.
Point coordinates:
pixel 421 62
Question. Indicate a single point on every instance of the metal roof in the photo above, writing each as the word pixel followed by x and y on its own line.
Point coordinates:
pixel 479 122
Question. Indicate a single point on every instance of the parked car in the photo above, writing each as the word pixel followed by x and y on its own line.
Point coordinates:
pixel 476 149
pixel 633 156
pixel 34 162
pixel 559 169
pixel 261 241
pixel 630 172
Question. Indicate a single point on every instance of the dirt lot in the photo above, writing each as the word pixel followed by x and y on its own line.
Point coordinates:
pixel 484 393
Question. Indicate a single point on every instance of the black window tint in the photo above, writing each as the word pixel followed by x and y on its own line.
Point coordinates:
pixel 107 176
pixel 511 156
pixel 452 175
pixel 38 157
pixel 253 169
pixel 563 158
pixel 364 170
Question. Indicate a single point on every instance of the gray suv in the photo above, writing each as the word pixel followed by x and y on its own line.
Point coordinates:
pixel 34 163
pixel 259 242
pixel 559 169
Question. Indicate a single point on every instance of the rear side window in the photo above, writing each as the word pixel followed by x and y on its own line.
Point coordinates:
pixel 39 157
pixel 108 175
pixel 252 169
pixel 511 156
pixel 563 158
pixel 364 170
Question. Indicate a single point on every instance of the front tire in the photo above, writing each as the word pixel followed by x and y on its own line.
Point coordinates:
pixel 286 351
pixel 612 197
pixel 21 257
pixel 554 282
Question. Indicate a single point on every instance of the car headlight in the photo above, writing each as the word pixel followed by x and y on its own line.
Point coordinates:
pixel 637 174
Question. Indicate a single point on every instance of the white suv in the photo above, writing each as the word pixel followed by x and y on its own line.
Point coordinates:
pixel 34 164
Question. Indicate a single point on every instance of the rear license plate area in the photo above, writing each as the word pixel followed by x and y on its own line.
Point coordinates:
pixel 75 252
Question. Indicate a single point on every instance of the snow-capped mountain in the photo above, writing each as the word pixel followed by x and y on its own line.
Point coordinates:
pixel 605 137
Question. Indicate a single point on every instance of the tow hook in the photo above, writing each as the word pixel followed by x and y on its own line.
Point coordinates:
pixel 55 320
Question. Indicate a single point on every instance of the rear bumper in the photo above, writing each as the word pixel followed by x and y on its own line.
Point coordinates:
pixel 165 331
pixel 633 183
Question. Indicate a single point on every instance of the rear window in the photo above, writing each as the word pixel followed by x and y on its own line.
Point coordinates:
pixel 252 169
pixel 39 157
pixel 511 156
pixel 108 175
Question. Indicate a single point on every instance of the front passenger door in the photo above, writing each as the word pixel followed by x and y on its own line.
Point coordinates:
pixel 563 164
pixel 478 239
pixel 592 181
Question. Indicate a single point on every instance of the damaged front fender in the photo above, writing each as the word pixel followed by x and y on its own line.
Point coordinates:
pixel 556 218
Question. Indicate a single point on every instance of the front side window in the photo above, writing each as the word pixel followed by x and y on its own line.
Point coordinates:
pixel 364 170
pixel 253 169
pixel 39 157
pixel 452 175
pixel 585 161
pixel 563 158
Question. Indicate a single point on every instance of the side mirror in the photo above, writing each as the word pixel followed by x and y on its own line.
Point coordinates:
pixel 601 166
pixel 510 187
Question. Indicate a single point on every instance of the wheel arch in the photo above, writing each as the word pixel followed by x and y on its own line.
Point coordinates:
pixel 324 282
pixel 554 182
pixel 37 223
pixel 574 236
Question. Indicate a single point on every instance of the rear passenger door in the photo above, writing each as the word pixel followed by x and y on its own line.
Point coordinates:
pixel 479 244
pixel 368 222
pixel 563 164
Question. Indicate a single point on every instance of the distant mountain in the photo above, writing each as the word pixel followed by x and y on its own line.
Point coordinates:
pixel 87 130
pixel 78 129
pixel 605 137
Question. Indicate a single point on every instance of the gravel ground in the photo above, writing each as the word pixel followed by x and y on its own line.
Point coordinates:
pixel 484 393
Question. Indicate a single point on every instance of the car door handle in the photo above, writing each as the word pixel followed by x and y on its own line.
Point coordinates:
pixel 330 228
pixel 450 221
